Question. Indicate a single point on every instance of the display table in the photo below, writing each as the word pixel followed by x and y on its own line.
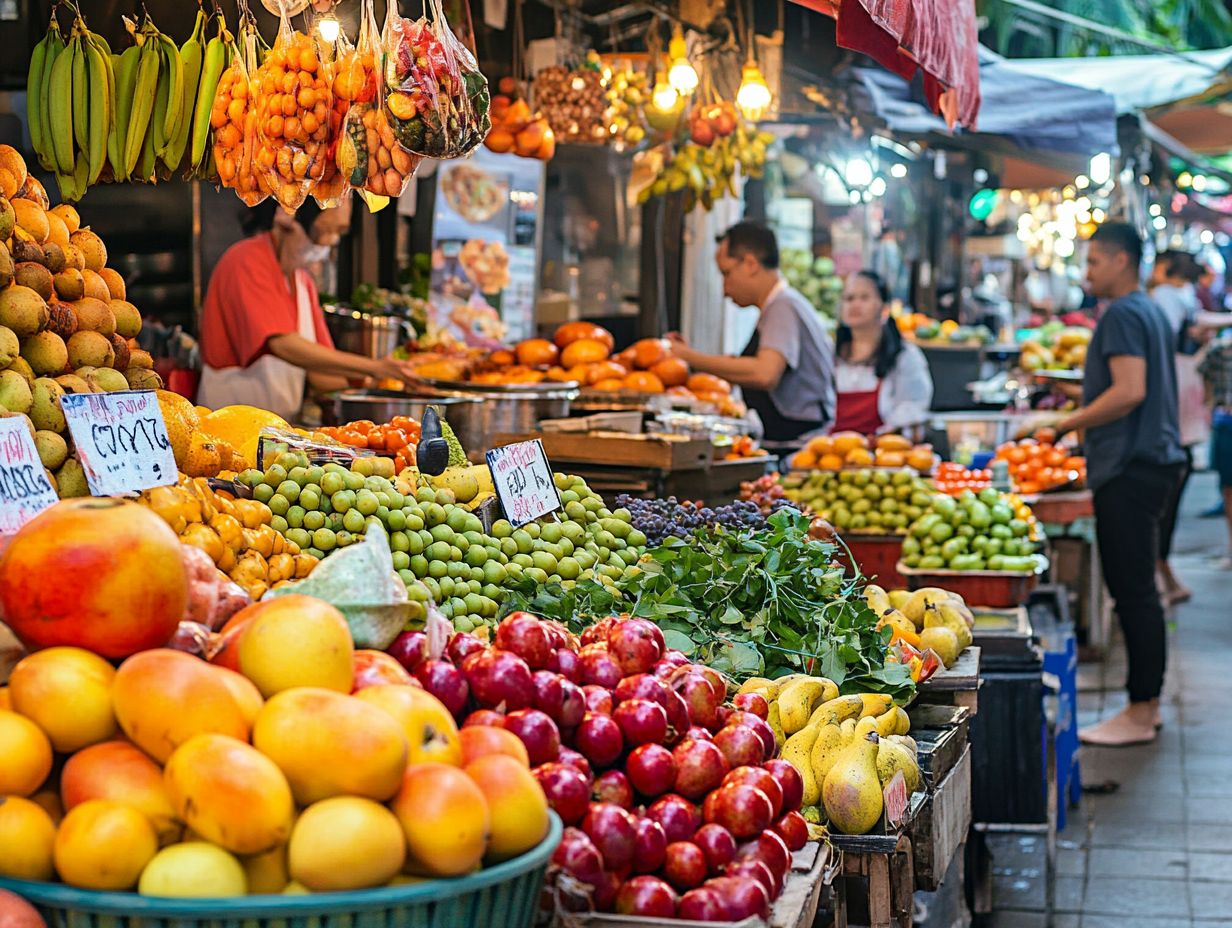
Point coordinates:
pixel 887 863
pixel 940 828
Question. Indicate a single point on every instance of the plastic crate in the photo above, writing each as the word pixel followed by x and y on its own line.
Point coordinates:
pixel 502 896
pixel 877 557
pixel 996 589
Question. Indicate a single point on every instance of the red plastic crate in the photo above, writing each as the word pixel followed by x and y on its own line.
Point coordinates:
pixel 995 589
pixel 877 558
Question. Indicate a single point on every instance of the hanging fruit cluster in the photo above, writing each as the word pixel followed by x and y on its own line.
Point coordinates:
pixel 627 93
pixel 573 101
pixel 707 173
pixel 516 129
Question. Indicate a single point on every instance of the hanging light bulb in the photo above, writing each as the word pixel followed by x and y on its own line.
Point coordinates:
pixel 754 96
pixel 664 97
pixel 680 73
pixel 329 27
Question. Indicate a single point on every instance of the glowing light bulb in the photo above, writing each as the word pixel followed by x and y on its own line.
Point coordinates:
pixel 898 170
pixel 680 73
pixel 329 27
pixel 664 97
pixel 754 96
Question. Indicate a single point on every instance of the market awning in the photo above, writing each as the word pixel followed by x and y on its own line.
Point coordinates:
pixel 1020 114
pixel 937 37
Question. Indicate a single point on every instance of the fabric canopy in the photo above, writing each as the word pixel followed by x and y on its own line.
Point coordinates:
pixel 1033 114
pixel 937 37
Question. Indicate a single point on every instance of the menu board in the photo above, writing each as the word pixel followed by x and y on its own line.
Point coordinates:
pixel 121 440
pixel 523 481
pixel 25 490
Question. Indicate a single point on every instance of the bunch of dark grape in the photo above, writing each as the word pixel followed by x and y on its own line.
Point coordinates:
pixel 661 518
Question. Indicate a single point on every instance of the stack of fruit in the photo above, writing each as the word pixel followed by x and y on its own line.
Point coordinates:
pixel 928 618
pixel 815 278
pixel 706 172
pixel 440 542
pixel 399 438
pixel 573 101
pixel 863 501
pixel 1036 464
pixel 766 491
pixel 922 329
pixel 665 789
pixel 65 325
pixel 627 92
pixel 1055 347
pixel 845 748
pixel 974 531
pixel 660 518
pixel 851 449
pixel 516 129
pixel 953 479
pixel 302 772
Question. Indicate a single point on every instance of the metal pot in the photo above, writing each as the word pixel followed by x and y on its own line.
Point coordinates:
pixel 504 411
pixel 365 333
pixel 383 405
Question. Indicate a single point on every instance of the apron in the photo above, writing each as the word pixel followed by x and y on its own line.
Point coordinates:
pixel 780 432
pixel 859 411
pixel 268 382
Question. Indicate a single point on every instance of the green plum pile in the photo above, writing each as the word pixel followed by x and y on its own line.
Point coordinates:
pixel 988 530
pixel 871 501
pixel 437 541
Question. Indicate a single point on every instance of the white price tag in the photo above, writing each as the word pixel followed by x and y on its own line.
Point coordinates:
pixel 25 490
pixel 121 440
pixel 523 481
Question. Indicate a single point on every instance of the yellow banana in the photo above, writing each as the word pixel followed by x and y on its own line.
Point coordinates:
pixel 826 748
pixel 796 703
pixel 216 55
pixel 98 111
pixel 875 703
pixel 144 88
pixel 797 751
pixel 60 110
pixel 191 55
pixel 776 724
pixel 837 710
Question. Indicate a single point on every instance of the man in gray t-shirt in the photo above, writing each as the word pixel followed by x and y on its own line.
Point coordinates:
pixel 1134 464
pixel 786 372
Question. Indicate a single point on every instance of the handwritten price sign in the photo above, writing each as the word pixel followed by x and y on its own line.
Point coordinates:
pixel 523 481
pixel 25 490
pixel 121 439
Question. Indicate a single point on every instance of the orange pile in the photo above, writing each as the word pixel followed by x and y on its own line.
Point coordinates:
pixel 851 449
pixel 398 438
pixel 516 129
pixel 1036 464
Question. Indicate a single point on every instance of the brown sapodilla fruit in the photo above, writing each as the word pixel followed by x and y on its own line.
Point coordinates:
pixel 36 277
pixel 94 315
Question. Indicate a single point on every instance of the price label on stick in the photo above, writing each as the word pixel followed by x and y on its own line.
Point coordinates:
pixel 523 481
pixel 25 490
pixel 895 796
pixel 121 440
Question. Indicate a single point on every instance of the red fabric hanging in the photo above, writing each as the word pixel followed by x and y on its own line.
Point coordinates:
pixel 937 36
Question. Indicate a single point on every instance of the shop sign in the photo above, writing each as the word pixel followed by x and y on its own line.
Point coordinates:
pixel 121 440
pixel 523 481
pixel 895 796
pixel 25 490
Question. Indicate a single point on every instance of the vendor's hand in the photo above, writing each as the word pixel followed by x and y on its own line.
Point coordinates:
pixel 680 348
pixel 394 369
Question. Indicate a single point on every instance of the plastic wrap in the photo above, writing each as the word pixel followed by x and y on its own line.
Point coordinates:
pixel 437 100
pixel 293 100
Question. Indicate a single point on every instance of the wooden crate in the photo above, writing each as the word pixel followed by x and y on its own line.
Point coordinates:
pixel 940 733
pixel 941 826
pixel 958 685
pixel 617 449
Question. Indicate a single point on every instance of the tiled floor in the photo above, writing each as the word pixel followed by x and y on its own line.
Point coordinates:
pixel 1155 851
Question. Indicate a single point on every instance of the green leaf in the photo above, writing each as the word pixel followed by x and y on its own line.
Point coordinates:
pixel 679 640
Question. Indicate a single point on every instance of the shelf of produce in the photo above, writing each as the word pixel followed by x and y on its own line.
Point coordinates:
pixel 618 449
pixel 940 828
pixel 877 557
pixel 1062 508
pixel 957 685
pixel 979 589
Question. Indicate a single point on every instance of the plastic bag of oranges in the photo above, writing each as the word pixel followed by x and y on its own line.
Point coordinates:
pixel 437 100
pixel 293 116
pixel 233 117
pixel 369 156
pixel 332 187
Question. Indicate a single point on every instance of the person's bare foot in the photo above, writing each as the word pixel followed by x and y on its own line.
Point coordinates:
pixel 1177 594
pixel 1137 723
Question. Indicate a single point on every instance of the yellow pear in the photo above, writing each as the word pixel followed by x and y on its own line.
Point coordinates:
pixel 851 791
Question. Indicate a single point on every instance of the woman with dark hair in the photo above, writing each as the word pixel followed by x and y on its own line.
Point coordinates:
pixel 263 335
pixel 882 382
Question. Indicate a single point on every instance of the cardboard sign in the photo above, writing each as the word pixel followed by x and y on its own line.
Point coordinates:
pixel 121 440
pixel 895 796
pixel 25 490
pixel 523 481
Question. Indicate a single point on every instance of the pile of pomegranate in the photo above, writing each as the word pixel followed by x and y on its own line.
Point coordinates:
pixel 673 801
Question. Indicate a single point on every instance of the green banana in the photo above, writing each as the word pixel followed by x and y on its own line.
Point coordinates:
pixel 172 75
pixel 81 92
pixel 113 130
pixel 60 110
pixel 34 89
pixel 191 54
pixel 99 109
pixel 144 88
pixel 126 81
pixel 216 54
pixel 42 103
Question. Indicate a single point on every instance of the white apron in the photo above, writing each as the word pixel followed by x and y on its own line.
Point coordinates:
pixel 269 382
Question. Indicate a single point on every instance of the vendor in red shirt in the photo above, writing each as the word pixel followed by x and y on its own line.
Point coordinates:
pixel 263 334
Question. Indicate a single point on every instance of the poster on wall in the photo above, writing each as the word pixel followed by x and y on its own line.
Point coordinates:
pixel 485 244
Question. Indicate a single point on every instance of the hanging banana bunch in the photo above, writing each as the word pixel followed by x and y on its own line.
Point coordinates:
pixel 215 59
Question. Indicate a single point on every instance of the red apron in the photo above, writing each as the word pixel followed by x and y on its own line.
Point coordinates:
pixel 858 412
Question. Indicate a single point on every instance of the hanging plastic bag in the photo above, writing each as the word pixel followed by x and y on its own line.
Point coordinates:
pixel 293 109
pixel 332 188
pixel 234 117
pixel 437 100
pixel 369 155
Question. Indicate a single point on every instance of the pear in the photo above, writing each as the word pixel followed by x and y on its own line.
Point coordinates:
pixel 893 757
pixel 8 219
pixel 46 353
pixel 10 346
pixel 106 380
pixel 942 640
pixel 45 410
pixel 15 394
pixel 826 749
pixel 914 608
pixel 851 792
pixel 944 615
pixel 899 598
pixel 52 448
pixel 71 480
pixel 73 384
pixel 22 366
pixel 877 598
pixel 140 378
pixel 6 266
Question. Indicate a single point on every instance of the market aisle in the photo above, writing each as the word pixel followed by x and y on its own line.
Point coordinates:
pixel 1157 850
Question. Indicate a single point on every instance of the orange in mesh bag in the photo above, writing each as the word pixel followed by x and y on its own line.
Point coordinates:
pixel 293 116
pixel 368 154
pixel 233 118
